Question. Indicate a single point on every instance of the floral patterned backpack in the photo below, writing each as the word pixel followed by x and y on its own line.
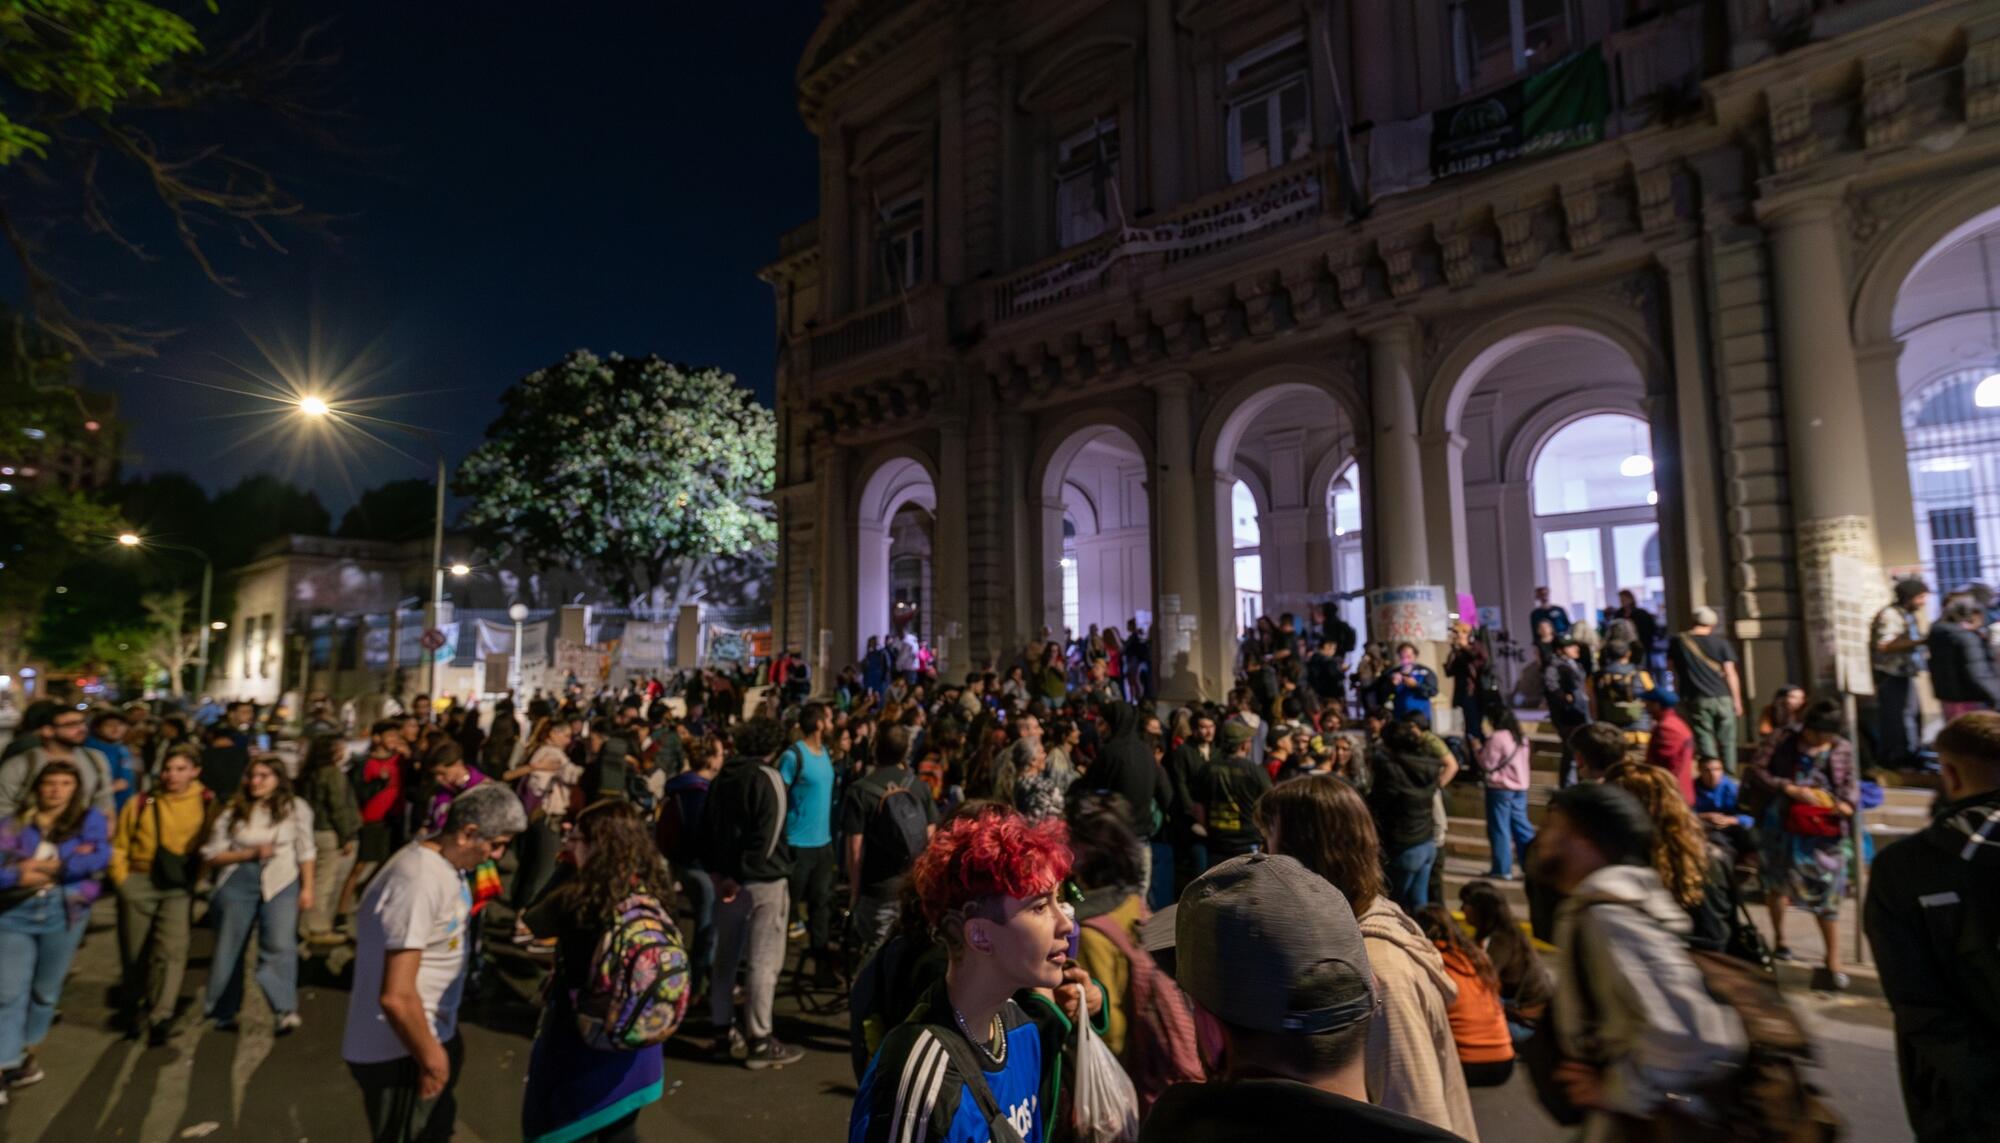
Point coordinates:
pixel 638 988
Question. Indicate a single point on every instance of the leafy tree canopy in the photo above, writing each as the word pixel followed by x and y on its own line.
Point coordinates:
pixel 398 510
pixel 256 510
pixel 637 470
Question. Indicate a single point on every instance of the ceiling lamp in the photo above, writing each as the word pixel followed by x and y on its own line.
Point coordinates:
pixel 1638 464
pixel 1987 394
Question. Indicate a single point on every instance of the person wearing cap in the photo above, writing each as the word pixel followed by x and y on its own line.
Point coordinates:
pixel 1225 795
pixel 1271 955
pixel 1671 747
pixel 1567 687
pixel 1896 657
pixel 1710 684
pixel 1412 1063
pixel 979 1060
pixel 1634 1022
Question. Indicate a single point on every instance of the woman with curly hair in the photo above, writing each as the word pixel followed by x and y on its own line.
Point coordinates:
pixel 576 1091
pixel 1696 874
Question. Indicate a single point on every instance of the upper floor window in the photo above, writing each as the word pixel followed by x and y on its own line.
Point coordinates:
pixel 899 238
pixel 1270 119
pixel 1493 41
pixel 1087 183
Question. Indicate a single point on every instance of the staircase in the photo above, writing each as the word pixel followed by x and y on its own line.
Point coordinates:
pixel 1468 856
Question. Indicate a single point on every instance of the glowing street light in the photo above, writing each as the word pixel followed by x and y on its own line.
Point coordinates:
pixel 218 625
pixel 129 539
pixel 460 569
pixel 313 406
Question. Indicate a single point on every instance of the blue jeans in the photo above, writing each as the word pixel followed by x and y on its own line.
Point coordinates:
pixel 1410 875
pixel 1160 893
pixel 239 906
pixel 36 944
pixel 1507 827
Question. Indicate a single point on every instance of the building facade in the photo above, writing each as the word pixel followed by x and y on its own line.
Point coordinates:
pixel 1186 311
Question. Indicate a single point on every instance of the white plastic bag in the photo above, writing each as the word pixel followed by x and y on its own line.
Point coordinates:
pixel 1107 1109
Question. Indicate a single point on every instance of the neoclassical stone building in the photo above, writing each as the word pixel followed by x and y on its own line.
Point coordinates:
pixel 1100 319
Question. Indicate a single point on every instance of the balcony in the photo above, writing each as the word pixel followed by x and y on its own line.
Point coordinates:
pixel 1290 196
pixel 865 332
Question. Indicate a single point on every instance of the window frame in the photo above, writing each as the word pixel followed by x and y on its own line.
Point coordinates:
pixel 1244 87
pixel 1524 58
pixel 900 219
pixel 1068 165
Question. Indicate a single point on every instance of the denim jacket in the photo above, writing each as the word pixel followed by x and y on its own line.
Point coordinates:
pixel 84 858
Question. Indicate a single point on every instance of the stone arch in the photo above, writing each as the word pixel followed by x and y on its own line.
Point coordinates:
pixel 1459 371
pixel 1237 408
pixel 1972 204
pixel 899 476
pixel 1534 433
pixel 1112 574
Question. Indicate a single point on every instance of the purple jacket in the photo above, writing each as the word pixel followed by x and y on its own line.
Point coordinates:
pixel 84 858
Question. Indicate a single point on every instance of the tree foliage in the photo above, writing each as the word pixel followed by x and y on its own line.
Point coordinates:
pixel 399 510
pixel 638 471
pixel 256 510
pixel 122 122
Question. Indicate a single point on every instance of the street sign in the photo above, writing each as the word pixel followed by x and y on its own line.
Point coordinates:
pixel 431 639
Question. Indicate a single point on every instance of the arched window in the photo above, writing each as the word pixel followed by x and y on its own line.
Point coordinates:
pixel 1247 539
pixel 1072 605
pixel 1601 461
pixel 1593 497
pixel 1954 454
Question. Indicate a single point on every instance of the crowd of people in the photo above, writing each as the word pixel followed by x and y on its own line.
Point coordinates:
pixel 1055 909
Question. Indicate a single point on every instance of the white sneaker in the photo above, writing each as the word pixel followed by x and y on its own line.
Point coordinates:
pixel 290 1022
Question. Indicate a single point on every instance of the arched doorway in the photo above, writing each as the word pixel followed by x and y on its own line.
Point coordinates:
pixel 895 530
pixel 1095 523
pixel 1947 319
pixel 1553 419
pixel 1278 455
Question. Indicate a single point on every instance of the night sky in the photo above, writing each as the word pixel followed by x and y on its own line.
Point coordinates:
pixel 606 176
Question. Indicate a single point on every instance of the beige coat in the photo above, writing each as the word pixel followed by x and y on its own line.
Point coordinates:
pixel 1412 1059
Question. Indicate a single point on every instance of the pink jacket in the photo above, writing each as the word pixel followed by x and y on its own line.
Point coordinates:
pixel 1504 760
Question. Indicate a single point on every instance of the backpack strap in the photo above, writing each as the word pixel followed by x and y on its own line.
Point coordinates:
pixel 782 790
pixel 974 1078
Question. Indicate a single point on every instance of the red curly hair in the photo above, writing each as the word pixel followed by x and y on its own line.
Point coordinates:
pixel 995 853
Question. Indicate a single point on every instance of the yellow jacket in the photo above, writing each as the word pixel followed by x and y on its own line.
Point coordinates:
pixel 1106 965
pixel 183 817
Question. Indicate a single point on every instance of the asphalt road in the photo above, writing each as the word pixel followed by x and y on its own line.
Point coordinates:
pixel 248 1085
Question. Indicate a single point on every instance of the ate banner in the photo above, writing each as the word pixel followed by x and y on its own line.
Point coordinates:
pixel 1556 109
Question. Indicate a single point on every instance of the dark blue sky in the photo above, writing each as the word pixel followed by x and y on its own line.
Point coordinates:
pixel 532 179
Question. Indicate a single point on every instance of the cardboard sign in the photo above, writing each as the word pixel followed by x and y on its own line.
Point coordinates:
pixel 1408 614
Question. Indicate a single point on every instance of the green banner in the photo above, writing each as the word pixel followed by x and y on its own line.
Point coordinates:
pixel 1560 107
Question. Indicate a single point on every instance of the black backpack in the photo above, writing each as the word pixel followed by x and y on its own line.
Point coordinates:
pixel 897 829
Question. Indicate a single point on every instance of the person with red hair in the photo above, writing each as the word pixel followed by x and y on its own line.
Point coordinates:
pixel 984 1044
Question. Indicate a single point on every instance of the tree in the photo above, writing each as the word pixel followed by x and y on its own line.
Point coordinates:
pixel 399 510
pixel 256 510
pixel 638 471
pixel 118 105
pixel 170 644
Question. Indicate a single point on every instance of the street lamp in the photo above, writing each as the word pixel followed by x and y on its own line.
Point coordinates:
pixel 134 540
pixel 316 407
pixel 517 613
pixel 460 569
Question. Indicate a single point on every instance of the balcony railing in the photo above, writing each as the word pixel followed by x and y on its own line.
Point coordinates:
pixel 865 332
pixel 1250 210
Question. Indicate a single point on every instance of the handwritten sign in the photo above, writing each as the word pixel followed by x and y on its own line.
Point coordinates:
pixel 1414 614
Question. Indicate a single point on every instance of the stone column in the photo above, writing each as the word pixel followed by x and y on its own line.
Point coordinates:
pixel 1444 512
pixel 1374 61
pixel 1826 425
pixel 1825 409
pixel 949 240
pixel 1163 85
pixel 1895 507
pixel 1018 530
pixel 1046 516
pixel 1177 648
pixel 835 603
pixel 951 605
pixel 1397 480
pixel 1701 577
pixel 834 295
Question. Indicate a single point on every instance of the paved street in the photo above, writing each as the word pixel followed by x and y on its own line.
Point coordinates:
pixel 249 1086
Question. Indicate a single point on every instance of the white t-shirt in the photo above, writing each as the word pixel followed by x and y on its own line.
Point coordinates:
pixel 417 901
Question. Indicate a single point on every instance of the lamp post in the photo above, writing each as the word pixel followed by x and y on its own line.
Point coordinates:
pixel 316 407
pixel 518 613
pixel 134 540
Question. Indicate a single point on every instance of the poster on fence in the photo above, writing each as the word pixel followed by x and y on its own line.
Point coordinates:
pixel 1414 614
pixel 586 663
pixel 643 646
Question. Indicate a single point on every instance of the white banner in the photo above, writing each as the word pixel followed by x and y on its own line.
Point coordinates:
pixel 1282 202
pixel 644 645
pixel 1843 587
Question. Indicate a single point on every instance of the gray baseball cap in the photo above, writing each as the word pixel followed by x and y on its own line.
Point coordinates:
pixel 1250 931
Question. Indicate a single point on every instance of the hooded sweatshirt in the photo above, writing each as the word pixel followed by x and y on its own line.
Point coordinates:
pixel 1412 1059
pixel 1126 768
pixel 1648 1020
pixel 1933 900
pixel 1257 1110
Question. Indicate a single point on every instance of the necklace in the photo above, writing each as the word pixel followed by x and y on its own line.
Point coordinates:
pixel 998 1032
